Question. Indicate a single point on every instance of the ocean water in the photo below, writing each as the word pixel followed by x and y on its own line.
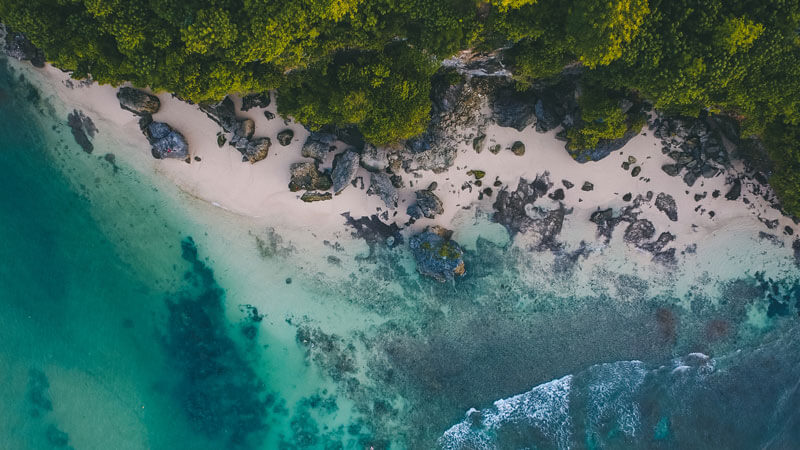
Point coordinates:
pixel 133 316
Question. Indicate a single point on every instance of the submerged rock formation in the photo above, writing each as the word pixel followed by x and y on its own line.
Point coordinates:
pixel 82 129
pixel 437 256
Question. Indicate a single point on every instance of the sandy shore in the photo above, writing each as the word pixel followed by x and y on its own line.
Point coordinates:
pixel 259 191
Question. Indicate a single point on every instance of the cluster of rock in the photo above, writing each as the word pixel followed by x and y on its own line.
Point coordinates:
pixel 83 129
pixel 698 150
pixel 241 130
pixel 18 46
pixel 639 232
pixel 165 142
pixel 428 205
pixel 437 255
pixel 518 212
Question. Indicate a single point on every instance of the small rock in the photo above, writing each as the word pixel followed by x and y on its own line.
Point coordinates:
pixel 558 194
pixel 627 197
pixel 381 185
pixel 631 159
pixel 689 178
pixel 495 149
pixel 478 174
pixel 285 137
pixel 221 139
pixel 671 169
pixel 587 186
pixel 626 165
pixel 487 191
pixel 666 204
pixel 636 171
pixel 567 184
pixel 479 143
pixel 518 148
pixel 269 115
pixel 787 230
pixel 735 191
pixel 312 196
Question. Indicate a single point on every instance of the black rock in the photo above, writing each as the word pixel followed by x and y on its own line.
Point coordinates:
pixel 558 194
pixel 381 185
pixel 137 101
pixel 787 230
pixel 636 171
pixel 671 169
pixel 735 191
pixel 306 176
pixel 18 46
pixel 689 178
pixel 639 231
pixel 666 204
pixel 285 137
pixel 587 186
pixel 627 197
pixel 511 108
pixel 82 129
pixel 255 101
pixel 345 167
pixel 567 184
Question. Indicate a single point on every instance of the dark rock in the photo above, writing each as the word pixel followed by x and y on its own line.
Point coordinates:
pixel 166 142
pixel 658 245
pixel 82 129
pixel 479 143
pixel 671 169
pixel 639 231
pixel 269 115
pixel 787 230
pixel 626 165
pixel 430 152
pixel 558 194
pixel 587 186
pixel 709 171
pixel 487 191
pixel 511 108
pixel 518 148
pixel 667 257
pixel 345 167
pixel 436 255
pixel 689 178
pixel 397 181
pixel 221 139
pixel 567 184
pixel 223 113
pixel 381 185
pixel 318 145
pixel 306 176
pixel 255 150
pixel 666 204
pixel 716 193
pixel 548 116
pixel 428 205
pixel 698 197
pixel 796 249
pixel 285 137
pixel 255 101
pixel 627 197
pixel 516 211
pixel 735 191
pixel 495 149
pixel 18 46
pixel 478 174
pixel 374 159
pixel 373 231
pixel 604 148
pixel 137 101
pixel 313 196
pixel 636 171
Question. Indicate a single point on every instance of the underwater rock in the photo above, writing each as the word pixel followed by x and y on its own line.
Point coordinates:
pixel 138 101
pixel 437 256
pixel 639 231
pixel 82 129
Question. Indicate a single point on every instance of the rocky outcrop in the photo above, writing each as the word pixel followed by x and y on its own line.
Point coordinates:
pixel 138 101
pixel 82 129
pixel 512 108
pixel 345 167
pixel 242 131
pixel 166 142
pixel 381 185
pixel 694 144
pixel 437 256
pixel 666 204
pixel 428 205
pixel 17 45
pixel 735 191
pixel 254 150
pixel 251 101
pixel 374 159
pixel 318 145
pixel 429 152
pixel 603 148
pixel 306 176
pixel 639 231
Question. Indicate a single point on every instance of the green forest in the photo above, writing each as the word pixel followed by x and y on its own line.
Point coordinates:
pixel 369 62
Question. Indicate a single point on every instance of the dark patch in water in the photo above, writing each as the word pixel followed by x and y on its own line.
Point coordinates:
pixel 374 231
pixel 220 392
pixel 38 394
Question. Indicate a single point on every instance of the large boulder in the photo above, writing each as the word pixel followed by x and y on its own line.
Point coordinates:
pixel 374 159
pixel 345 167
pixel 381 185
pixel 255 150
pixel 223 113
pixel 511 108
pixel 318 145
pixel 437 256
pixel 428 205
pixel 166 142
pixel 137 101
pixel 306 176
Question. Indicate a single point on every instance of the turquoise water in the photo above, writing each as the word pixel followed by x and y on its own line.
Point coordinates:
pixel 133 317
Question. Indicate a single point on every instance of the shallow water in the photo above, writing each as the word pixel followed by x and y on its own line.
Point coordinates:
pixel 134 317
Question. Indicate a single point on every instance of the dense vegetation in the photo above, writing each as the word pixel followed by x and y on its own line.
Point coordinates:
pixel 369 62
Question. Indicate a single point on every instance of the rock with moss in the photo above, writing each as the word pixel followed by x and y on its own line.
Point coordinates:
pixel 437 256
pixel 518 148
pixel 137 101
pixel 313 196
pixel 306 176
